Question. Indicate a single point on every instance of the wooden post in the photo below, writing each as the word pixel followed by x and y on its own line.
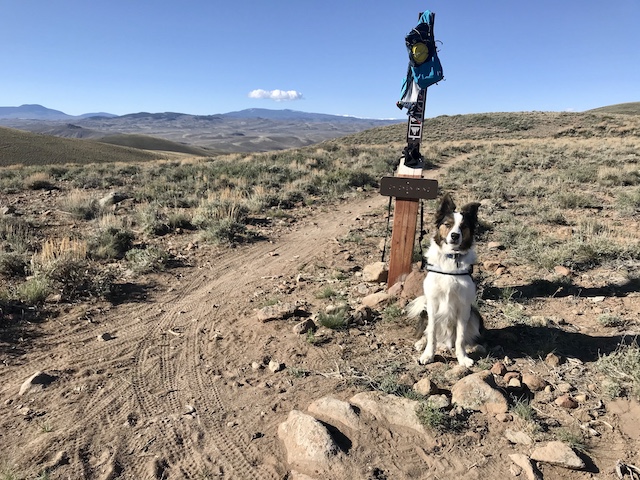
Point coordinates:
pixel 405 216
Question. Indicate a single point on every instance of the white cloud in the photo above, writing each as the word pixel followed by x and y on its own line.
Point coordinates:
pixel 277 95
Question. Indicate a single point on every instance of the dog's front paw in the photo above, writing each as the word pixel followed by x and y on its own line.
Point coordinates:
pixel 465 361
pixel 425 359
pixel 420 344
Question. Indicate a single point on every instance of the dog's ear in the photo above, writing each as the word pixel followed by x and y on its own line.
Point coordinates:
pixel 470 211
pixel 446 207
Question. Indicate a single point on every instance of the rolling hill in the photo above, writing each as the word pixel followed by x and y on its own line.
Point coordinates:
pixel 25 148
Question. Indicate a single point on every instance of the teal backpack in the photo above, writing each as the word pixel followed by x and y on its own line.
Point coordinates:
pixel 425 68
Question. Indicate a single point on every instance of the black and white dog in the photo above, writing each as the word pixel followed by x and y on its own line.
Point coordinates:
pixel 449 291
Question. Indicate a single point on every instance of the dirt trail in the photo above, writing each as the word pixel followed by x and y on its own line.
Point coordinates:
pixel 164 397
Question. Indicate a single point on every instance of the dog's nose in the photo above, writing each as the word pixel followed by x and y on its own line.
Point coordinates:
pixel 455 236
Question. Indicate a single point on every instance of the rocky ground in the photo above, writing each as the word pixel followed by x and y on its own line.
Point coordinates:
pixel 221 368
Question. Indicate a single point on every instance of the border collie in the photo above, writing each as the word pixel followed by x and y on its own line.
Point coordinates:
pixel 449 290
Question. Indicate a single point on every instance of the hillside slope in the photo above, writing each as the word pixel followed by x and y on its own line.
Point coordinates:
pixel 18 147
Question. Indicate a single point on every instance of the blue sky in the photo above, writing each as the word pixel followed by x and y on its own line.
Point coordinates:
pixel 343 57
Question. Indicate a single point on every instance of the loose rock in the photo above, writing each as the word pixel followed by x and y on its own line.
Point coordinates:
pixel 439 401
pixel 394 410
pixel 533 382
pixel 375 272
pixel 413 285
pixel 280 311
pixel 527 467
pixel 558 453
pixel 376 299
pixel 336 411
pixel 478 391
pixel 456 372
pixel 552 360
pixel 498 368
pixel 517 437
pixel 425 387
pixel 307 442
pixel 37 381
pixel 304 326
pixel 275 366
pixel 565 401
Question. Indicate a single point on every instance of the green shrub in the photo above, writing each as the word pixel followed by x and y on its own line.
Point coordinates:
pixel 110 243
pixel 151 259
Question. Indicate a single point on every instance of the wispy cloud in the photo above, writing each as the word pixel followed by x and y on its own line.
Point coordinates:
pixel 277 95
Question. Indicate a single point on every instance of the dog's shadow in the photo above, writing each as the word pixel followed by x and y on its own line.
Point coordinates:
pixel 522 340
pixel 517 341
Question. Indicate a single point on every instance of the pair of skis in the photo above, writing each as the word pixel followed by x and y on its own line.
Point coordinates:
pixel 408 187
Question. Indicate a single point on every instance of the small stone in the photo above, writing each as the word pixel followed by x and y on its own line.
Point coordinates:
pixel 377 299
pixel 565 401
pixel 26 411
pixel 517 437
pixel 304 326
pixel 511 375
pixel 439 401
pixel 275 366
pixel 189 409
pixel 597 299
pixel 425 387
pixel 413 285
pixel 495 246
pixel 375 272
pixel 456 372
pixel 478 391
pixel 581 398
pixel 256 366
pixel 552 360
pixel 498 368
pixel 37 381
pixel 564 387
pixel 307 442
pixel 514 383
pixel 279 311
pixel 548 389
pixel 523 462
pixel 105 337
pixel 533 382
pixel 558 453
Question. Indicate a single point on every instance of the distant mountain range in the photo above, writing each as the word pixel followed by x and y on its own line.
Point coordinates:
pixel 251 130
pixel 38 112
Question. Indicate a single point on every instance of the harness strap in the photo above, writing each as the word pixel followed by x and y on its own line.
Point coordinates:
pixel 434 269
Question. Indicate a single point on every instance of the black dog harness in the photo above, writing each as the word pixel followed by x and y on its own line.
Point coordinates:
pixel 459 271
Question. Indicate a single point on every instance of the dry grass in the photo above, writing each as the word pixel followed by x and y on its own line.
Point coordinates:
pixel 557 189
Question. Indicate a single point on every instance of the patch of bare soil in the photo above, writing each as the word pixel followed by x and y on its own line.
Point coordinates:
pixel 174 381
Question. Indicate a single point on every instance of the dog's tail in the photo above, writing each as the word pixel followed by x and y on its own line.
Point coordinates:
pixel 416 306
